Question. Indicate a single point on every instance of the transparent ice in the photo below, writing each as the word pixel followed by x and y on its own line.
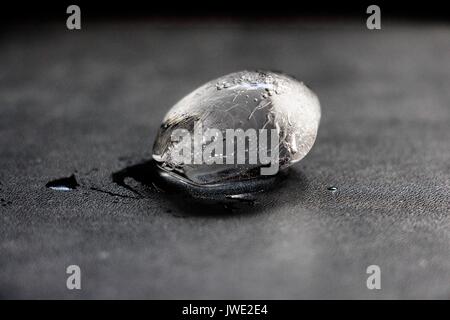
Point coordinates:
pixel 242 100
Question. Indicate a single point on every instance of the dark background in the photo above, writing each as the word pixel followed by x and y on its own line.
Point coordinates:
pixel 90 102
pixel 20 11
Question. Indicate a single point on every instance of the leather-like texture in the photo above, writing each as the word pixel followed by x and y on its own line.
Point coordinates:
pixel 90 103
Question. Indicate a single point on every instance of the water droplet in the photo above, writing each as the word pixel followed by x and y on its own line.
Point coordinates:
pixel 332 189
pixel 63 184
pixel 289 108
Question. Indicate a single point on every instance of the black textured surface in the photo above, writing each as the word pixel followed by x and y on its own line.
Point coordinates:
pixel 89 103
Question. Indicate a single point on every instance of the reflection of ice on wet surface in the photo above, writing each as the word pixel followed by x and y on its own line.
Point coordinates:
pixel 147 178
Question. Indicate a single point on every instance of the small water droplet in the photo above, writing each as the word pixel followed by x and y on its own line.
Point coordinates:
pixel 246 198
pixel 332 189
pixel 63 184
